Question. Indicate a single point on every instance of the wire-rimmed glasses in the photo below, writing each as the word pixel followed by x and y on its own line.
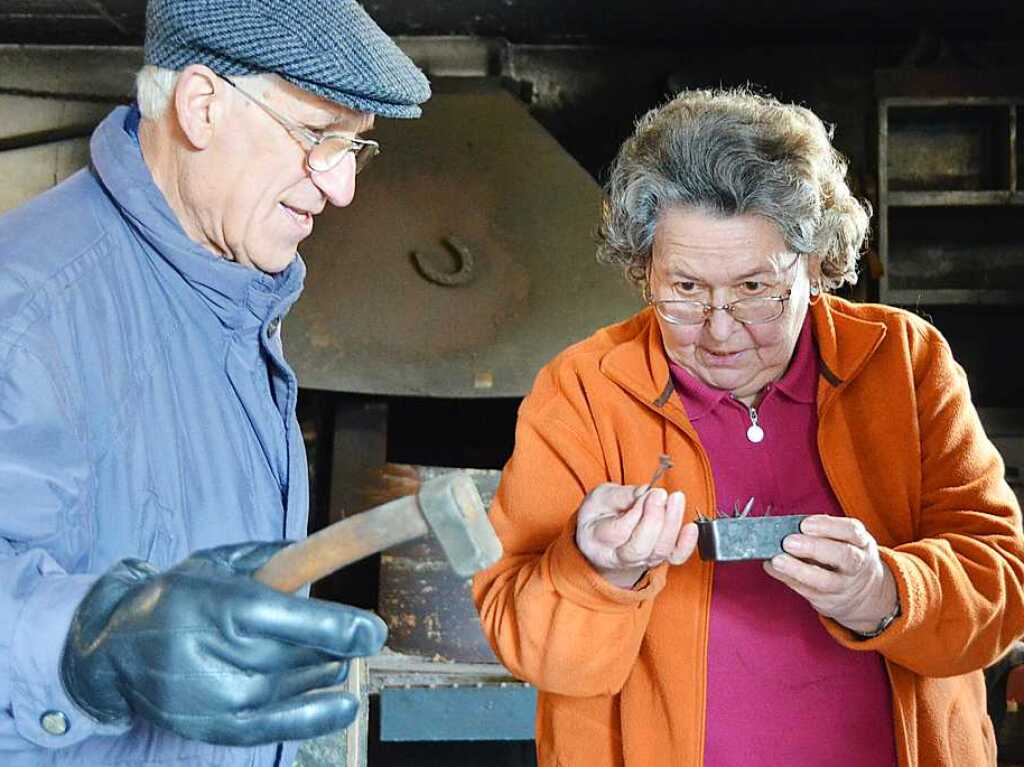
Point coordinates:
pixel 747 311
pixel 324 149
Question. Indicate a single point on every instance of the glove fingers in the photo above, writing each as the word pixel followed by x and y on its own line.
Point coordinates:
pixel 266 658
pixel 339 630
pixel 222 693
pixel 248 562
pixel 309 715
pixel 301 681
pixel 240 558
pixel 262 656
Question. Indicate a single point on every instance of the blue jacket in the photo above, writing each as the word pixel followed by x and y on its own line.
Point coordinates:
pixel 146 410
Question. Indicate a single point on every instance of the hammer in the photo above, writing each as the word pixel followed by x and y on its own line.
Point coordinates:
pixel 449 506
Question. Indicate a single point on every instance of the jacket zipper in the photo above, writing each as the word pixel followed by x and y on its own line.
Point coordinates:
pixel 755 432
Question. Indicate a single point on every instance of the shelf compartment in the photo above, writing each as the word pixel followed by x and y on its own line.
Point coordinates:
pixel 948 148
pixel 941 255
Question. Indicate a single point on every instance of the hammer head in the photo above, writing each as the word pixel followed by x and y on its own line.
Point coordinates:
pixel 456 515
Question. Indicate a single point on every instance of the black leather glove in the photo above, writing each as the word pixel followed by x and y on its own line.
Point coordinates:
pixel 211 654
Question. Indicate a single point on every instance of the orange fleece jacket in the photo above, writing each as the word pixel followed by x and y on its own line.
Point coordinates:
pixel 621 673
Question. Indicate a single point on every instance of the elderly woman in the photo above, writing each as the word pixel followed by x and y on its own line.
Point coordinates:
pixel 861 643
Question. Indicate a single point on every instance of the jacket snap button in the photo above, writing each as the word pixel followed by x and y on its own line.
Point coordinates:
pixel 54 722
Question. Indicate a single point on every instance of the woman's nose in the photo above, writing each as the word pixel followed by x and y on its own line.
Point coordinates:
pixel 720 324
pixel 339 183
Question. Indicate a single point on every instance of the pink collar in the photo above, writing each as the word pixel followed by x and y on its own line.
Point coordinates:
pixel 798 383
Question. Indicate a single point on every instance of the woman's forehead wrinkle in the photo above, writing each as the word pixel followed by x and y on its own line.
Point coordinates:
pixel 703 269
pixel 772 265
pixel 718 251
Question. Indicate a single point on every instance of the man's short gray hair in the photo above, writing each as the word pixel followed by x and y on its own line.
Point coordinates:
pixel 732 152
pixel 155 85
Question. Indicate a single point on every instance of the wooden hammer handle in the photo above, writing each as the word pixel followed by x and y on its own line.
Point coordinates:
pixel 343 543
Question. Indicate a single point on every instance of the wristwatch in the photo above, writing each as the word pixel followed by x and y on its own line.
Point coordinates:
pixel 884 624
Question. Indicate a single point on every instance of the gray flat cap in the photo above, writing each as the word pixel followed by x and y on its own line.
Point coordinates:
pixel 328 47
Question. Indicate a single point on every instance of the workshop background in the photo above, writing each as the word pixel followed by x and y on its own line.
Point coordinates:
pixel 466 261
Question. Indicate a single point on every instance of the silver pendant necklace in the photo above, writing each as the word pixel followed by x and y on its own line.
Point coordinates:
pixel 754 432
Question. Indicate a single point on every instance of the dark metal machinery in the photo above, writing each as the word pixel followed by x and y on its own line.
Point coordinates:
pixel 465 263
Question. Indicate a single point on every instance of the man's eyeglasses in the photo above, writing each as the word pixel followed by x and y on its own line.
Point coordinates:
pixel 324 149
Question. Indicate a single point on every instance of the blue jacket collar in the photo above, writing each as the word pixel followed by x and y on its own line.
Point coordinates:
pixel 239 296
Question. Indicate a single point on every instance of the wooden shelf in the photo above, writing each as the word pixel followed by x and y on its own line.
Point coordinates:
pixel 949 296
pixel 951 101
pixel 949 191
pixel 391 669
pixel 954 198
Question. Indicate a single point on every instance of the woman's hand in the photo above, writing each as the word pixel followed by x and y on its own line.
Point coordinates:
pixel 623 531
pixel 833 563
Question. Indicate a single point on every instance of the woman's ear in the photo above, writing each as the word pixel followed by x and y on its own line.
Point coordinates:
pixel 814 273
pixel 648 294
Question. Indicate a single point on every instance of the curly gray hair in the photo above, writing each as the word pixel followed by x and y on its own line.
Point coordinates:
pixel 730 152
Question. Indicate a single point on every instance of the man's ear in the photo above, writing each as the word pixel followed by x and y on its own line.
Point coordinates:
pixel 199 104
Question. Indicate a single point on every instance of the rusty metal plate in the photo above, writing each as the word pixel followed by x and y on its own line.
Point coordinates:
pixel 428 608
pixel 476 194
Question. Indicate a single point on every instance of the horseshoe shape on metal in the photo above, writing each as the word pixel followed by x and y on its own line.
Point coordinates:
pixel 463 272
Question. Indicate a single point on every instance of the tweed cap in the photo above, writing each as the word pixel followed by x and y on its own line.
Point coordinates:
pixel 331 48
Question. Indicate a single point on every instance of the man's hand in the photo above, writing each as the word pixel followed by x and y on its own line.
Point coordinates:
pixel 834 564
pixel 207 652
pixel 623 535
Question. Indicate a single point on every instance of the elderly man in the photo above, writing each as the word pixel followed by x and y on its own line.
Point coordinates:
pixel 150 458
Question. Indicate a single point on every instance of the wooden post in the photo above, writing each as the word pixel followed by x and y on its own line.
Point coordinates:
pixel 357 444
pixel 359 732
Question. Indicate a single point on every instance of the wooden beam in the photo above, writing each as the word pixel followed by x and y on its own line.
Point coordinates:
pixel 83 73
